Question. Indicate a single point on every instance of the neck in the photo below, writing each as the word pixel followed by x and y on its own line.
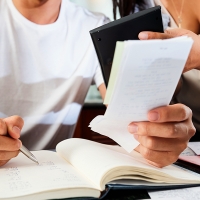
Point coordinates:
pixel 39 11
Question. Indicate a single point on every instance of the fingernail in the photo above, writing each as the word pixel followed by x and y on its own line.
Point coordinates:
pixel 133 128
pixel 135 136
pixel 16 130
pixel 143 36
pixel 153 116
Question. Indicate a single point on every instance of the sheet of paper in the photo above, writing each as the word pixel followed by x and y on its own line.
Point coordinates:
pixel 185 194
pixel 116 130
pixel 188 152
pixel 114 71
pixel 148 74
pixel 192 153
pixel 191 159
pixel 195 146
pixel 21 176
pixel 148 77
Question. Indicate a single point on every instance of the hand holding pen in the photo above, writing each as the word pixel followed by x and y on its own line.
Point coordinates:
pixel 10 146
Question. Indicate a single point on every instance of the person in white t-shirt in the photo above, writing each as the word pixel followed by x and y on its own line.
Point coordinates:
pixel 47 63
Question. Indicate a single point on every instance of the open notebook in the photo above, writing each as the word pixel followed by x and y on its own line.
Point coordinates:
pixel 81 168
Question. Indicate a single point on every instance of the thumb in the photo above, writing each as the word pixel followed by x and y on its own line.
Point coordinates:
pixel 14 126
pixel 169 33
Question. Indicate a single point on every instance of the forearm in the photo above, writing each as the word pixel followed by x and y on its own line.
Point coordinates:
pixel 102 90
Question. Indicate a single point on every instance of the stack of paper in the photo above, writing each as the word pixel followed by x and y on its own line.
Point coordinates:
pixel 144 76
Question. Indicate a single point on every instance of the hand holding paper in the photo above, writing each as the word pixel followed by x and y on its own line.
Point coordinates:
pixel 146 75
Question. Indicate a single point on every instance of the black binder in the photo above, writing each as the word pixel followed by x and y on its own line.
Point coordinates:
pixel 126 28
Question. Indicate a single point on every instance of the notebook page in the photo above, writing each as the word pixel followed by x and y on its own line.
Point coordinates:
pixel 95 160
pixel 22 176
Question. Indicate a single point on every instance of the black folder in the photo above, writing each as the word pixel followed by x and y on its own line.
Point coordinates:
pixel 126 28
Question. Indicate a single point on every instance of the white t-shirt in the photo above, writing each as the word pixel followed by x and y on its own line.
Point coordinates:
pixel 46 71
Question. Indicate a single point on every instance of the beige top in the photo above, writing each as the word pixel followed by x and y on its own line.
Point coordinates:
pixel 190 90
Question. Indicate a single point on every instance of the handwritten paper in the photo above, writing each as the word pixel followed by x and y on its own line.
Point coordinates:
pixel 188 152
pixel 25 177
pixel 185 194
pixel 195 146
pixel 146 78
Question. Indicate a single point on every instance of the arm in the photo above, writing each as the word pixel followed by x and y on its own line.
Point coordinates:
pixel 102 90
pixel 9 146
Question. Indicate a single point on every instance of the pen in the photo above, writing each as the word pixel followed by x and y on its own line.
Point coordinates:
pixel 27 153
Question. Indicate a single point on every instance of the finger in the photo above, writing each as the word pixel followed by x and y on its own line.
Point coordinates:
pixel 7 155
pixel 159 158
pixel 3 127
pixel 9 144
pixel 162 144
pixel 137 149
pixel 164 130
pixel 169 33
pixel 3 162
pixel 171 113
pixel 14 126
pixel 146 35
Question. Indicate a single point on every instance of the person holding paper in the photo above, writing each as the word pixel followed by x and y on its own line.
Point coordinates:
pixel 45 76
